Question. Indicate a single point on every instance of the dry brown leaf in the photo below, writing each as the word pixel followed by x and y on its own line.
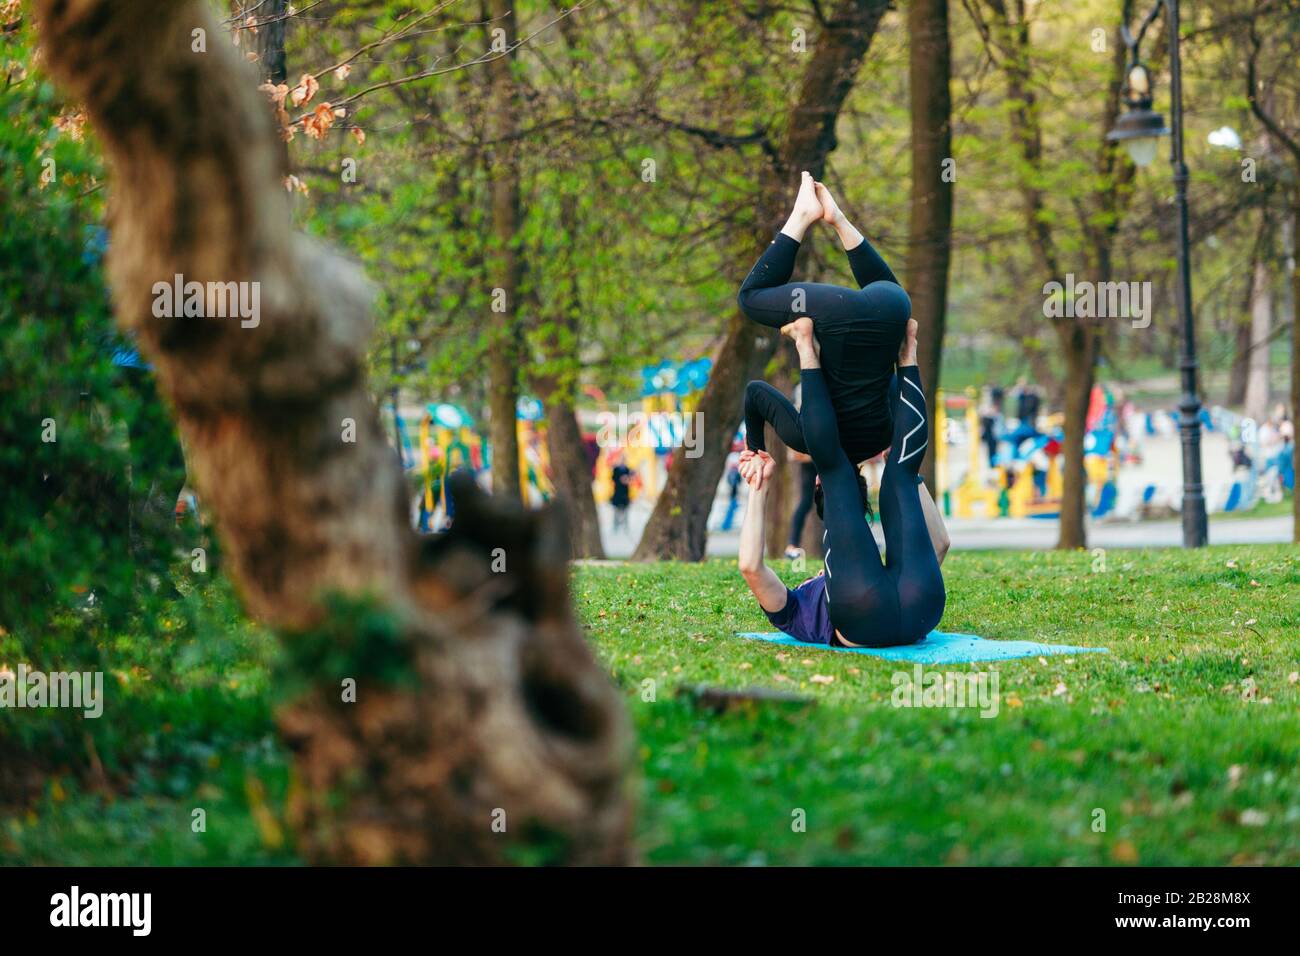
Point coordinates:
pixel 304 91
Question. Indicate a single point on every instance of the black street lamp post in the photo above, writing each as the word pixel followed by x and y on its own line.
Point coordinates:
pixel 1139 129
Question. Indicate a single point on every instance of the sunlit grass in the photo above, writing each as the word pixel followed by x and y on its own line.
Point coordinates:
pixel 1186 736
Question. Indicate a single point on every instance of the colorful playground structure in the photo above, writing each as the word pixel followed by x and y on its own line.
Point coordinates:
pixel 1023 478
pixel 669 394
pixel 438 438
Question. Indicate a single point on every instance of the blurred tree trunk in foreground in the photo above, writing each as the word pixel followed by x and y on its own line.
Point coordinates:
pixel 482 727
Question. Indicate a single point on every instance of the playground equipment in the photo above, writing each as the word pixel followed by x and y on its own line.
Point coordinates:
pixel 444 441
pixel 645 438
pixel 534 454
pixel 442 438
pixel 1025 477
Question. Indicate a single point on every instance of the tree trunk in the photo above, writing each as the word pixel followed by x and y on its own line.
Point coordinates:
pixel 930 234
pixel 1295 365
pixel 270 40
pixel 678 526
pixel 779 502
pixel 505 264
pixel 1236 396
pixel 1261 326
pixel 572 473
pixel 1078 337
pixel 1286 313
pixel 481 723
pixel 1079 344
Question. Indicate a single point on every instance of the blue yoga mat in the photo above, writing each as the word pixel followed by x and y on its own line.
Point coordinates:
pixel 941 648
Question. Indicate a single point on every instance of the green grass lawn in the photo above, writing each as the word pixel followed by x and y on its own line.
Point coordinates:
pixel 1263 509
pixel 1186 736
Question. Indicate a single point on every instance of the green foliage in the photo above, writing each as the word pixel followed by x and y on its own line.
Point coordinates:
pixel 89 554
pixel 85 447
pixel 357 638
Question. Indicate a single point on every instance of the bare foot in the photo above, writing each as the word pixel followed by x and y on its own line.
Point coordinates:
pixel 807 207
pixel 907 352
pixel 799 331
pixel 830 208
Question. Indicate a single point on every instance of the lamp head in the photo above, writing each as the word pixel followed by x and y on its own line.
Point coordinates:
pixel 1140 127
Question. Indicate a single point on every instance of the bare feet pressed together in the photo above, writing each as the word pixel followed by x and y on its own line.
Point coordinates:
pixel 814 203
pixel 807 204
pixel 830 208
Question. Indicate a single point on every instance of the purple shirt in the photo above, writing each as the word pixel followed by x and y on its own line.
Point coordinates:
pixel 805 616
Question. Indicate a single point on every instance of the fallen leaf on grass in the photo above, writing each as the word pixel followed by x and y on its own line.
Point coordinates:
pixel 1124 852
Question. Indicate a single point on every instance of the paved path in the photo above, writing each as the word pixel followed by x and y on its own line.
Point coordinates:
pixel 1024 534
pixel 1029 534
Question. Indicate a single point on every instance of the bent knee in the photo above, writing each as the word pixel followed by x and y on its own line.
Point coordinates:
pixel 758 393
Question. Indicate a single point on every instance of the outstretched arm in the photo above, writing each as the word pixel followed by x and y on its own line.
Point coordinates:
pixel 762 580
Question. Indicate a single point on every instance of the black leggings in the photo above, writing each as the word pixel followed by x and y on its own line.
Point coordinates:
pixel 870 602
pixel 859 331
